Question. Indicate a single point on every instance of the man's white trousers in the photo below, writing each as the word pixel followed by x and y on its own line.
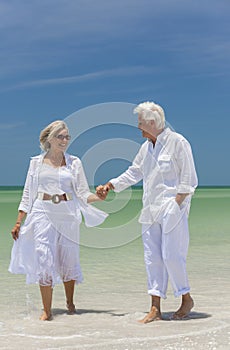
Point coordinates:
pixel 165 251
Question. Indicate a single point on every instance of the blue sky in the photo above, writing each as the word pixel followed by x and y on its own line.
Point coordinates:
pixel 59 57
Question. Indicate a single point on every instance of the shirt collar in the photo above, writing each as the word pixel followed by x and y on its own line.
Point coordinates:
pixel 161 136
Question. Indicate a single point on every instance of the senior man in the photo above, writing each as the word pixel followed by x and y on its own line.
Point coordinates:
pixel 165 164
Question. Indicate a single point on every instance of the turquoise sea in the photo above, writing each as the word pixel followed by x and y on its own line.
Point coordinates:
pixel 113 295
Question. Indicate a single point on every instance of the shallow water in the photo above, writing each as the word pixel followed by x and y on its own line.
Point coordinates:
pixel 113 296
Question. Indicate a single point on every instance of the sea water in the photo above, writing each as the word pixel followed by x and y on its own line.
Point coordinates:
pixel 113 295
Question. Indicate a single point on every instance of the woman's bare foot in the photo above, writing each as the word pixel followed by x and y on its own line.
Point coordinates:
pixel 185 308
pixel 71 308
pixel 45 316
pixel 153 315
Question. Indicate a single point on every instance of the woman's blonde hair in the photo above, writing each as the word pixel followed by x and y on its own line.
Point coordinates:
pixel 49 132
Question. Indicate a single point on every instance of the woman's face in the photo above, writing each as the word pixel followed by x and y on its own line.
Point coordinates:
pixel 60 141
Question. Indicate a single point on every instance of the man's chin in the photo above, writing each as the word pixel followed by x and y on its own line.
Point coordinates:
pixel 146 135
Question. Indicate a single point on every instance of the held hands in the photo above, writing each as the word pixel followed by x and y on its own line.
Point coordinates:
pixel 102 190
pixel 15 231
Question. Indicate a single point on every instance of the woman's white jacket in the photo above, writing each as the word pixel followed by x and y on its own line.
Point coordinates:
pixel 92 216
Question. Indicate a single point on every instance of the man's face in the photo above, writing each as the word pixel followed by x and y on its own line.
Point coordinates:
pixel 148 128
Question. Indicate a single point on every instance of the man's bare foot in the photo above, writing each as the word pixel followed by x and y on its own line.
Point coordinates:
pixel 153 315
pixel 185 308
pixel 71 309
pixel 45 316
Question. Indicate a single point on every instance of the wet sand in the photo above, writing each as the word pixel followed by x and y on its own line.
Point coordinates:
pixel 113 296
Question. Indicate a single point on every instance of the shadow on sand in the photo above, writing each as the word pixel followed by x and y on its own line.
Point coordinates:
pixel 56 312
pixel 167 316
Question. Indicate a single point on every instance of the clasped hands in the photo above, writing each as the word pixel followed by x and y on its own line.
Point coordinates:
pixel 103 190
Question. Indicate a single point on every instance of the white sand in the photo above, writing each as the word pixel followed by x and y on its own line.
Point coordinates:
pixel 112 299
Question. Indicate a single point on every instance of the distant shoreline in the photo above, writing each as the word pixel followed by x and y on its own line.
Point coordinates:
pixel 20 188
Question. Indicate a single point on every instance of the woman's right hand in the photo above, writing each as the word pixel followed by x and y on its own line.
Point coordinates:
pixel 15 231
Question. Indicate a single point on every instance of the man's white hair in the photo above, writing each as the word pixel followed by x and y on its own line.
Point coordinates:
pixel 151 111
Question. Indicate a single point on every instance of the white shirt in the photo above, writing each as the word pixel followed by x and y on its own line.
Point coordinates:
pixel 53 180
pixel 166 169
pixel 93 216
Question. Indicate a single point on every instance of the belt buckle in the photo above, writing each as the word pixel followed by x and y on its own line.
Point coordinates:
pixel 56 199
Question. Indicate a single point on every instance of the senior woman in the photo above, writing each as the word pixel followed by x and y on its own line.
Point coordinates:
pixel 55 194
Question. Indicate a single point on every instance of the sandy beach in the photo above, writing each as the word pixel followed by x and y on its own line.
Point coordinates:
pixel 113 296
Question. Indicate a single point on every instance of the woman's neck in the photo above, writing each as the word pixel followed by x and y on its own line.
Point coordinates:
pixel 55 155
pixel 55 158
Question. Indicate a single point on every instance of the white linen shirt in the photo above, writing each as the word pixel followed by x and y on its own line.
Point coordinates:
pixel 166 169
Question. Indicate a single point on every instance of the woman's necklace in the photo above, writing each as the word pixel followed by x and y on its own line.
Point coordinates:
pixel 55 161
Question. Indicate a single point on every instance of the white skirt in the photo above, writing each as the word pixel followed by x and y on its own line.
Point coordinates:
pixel 47 249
